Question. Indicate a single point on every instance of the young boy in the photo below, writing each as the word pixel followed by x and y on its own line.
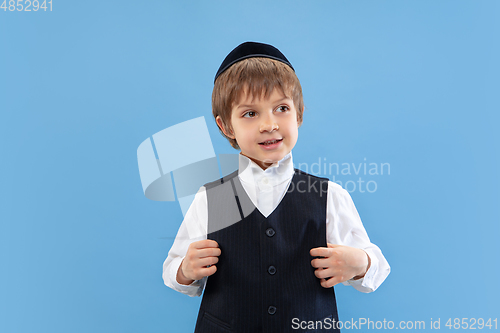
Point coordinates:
pixel 268 242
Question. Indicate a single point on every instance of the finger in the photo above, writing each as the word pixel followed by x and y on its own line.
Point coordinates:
pixel 322 262
pixel 319 252
pixel 206 243
pixel 325 273
pixel 330 282
pixel 212 243
pixel 207 271
pixel 332 246
pixel 208 252
pixel 207 261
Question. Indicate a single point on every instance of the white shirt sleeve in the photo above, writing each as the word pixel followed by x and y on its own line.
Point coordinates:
pixel 344 227
pixel 193 228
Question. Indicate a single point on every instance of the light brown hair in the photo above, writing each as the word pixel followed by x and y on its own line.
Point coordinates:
pixel 259 77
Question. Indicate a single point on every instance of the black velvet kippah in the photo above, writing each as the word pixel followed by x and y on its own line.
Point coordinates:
pixel 251 50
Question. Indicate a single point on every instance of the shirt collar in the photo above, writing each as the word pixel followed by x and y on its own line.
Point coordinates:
pixel 277 173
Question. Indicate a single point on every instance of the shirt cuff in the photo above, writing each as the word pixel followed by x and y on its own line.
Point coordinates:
pixel 367 283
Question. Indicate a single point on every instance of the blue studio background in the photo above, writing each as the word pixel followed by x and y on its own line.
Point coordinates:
pixel 412 84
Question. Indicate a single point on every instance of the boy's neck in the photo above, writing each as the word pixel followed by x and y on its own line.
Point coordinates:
pixel 264 165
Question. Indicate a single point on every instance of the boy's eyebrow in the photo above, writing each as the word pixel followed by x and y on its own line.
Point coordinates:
pixel 251 105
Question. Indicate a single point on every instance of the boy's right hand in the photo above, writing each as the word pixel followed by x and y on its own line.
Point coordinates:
pixel 199 261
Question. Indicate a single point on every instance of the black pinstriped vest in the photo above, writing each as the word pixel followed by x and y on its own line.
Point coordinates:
pixel 264 276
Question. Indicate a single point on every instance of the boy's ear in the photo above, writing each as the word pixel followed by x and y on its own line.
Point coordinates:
pixel 227 131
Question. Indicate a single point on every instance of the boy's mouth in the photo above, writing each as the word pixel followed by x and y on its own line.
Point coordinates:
pixel 270 142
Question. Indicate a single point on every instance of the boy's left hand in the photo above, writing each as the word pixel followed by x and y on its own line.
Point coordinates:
pixel 339 263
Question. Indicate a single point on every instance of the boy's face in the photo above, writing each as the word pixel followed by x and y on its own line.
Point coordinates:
pixel 265 128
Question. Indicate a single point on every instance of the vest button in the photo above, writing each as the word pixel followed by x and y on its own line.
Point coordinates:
pixel 270 232
pixel 271 270
pixel 271 310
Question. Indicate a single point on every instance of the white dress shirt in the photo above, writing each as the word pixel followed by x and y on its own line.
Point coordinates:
pixel 265 189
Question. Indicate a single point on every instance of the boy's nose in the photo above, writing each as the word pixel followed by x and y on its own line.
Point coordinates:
pixel 268 125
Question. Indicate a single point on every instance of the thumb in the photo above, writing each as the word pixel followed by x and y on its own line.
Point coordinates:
pixel 332 246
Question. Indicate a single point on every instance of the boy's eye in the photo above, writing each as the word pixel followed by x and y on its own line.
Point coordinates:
pixel 249 114
pixel 282 108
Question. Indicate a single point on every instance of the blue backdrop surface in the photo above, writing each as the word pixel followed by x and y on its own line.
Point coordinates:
pixel 408 87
